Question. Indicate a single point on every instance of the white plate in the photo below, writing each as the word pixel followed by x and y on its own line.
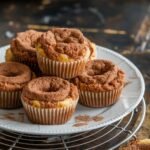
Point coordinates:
pixel 131 96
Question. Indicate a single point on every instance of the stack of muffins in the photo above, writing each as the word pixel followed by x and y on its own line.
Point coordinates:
pixel 64 61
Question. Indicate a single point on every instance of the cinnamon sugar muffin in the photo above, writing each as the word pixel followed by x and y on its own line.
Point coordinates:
pixel 101 83
pixel 63 52
pixel 22 48
pixel 49 100
pixel 137 145
pixel 13 77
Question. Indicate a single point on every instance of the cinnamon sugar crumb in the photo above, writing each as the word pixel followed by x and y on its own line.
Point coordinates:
pixel 83 118
pixel 14 117
pixel 127 82
pixel 10 117
pixel 79 124
pixel 97 118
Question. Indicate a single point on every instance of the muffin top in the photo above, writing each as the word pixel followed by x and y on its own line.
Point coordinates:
pixel 100 75
pixel 65 44
pixel 51 89
pixel 13 76
pixel 24 44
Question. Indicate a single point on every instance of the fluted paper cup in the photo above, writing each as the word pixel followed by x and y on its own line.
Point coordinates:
pixel 99 99
pixel 65 70
pixel 10 99
pixel 49 116
pixel 144 147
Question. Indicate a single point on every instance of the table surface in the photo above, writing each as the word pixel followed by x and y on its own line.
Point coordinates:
pixel 123 26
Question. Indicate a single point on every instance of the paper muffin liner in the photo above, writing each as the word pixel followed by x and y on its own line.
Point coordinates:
pixel 10 99
pixel 65 70
pixel 49 116
pixel 144 147
pixel 99 99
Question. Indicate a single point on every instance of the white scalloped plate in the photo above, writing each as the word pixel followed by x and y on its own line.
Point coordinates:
pixel 16 120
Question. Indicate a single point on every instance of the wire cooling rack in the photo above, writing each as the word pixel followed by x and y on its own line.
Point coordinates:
pixel 109 137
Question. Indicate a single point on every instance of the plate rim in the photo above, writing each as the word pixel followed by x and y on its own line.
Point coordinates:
pixel 105 123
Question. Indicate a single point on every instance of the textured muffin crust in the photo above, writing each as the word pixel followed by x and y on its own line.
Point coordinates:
pixel 100 75
pixel 14 76
pixel 23 46
pixel 65 44
pixel 50 92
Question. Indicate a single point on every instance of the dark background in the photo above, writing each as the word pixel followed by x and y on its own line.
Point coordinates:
pixel 123 26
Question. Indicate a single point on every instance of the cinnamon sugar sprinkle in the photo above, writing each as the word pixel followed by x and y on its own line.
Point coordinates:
pixel 82 120
pixel 80 124
pixel 20 117
pixel 127 82
pixel 97 118
pixel 9 116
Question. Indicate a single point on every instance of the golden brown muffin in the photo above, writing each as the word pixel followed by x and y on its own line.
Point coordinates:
pixel 13 77
pixel 23 50
pixel 100 84
pixel 63 52
pixel 23 46
pixel 53 96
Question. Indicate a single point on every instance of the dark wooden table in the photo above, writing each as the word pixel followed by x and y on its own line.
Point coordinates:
pixel 123 26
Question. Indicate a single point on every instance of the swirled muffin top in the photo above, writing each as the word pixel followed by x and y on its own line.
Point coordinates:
pixel 100 75
pixel 50 92
pixel 65 44
pixel 23 45
pixel 14 76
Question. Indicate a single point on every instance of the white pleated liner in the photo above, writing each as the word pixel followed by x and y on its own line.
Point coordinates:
pixel 61 69
pixel 99 99
pixel 144 146
pixel 10 99
pixel 49 116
